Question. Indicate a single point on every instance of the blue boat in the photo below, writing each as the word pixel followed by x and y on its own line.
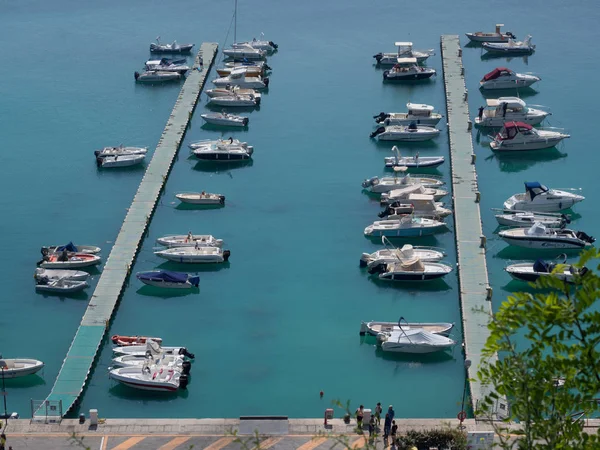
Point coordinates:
pixel 168 279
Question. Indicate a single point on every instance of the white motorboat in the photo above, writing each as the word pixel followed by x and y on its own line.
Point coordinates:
pixel 406 69
pixel 374 328
pixel 70 247
pixel 527 219
pixel 57 274
pixel 225 119
pixel 540 237
pixel 421 205
pixel 511 47
pixel 201 198
pixel 235 100
pixel 174 361
pixel 508 109
pixel 150 378
pixel 532 271
pixel 394 254
pixel 208 143
pixel 539 198
pixel 224 152
pixel 195 255
pixel 239 77
pixel 497 36
pixel 261 44
pixel 504 78
pixel 129 160
pixel 189 240
pixel 405 50
pixel 152 348
pixel 19 367
pixel 521 136
pixel 59 286
pixel 168 65
pixel 407 226
pixel 67 260
pixel 404 192
pixel 410 270
pixel 156 76
pixel 244 51
pixel 170 48
pixel 408 133
pixel 120 150
pixel 228 91
pixel 251 71
pixel 412 161
pixel 386 184
pixel 420 114
pixel 168 279
pixel 413 341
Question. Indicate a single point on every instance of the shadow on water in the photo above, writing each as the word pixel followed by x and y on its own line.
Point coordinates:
pixel 224 129
pixel 79 296
pixel 429 241
pixel 193 268
pixel 405 146
pixel 190 206
pixel 130 393
pixel 153 291
pixel 25 382
pixel 237 110
pixel 119 171
pixel 512 252
pixel 518 161
pixel 221 167
pixel 420 170
pixel 521 93
pixel 487 56
pixel 437 285
pixel 425 358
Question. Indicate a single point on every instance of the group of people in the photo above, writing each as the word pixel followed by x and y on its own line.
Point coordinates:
pixel 390 429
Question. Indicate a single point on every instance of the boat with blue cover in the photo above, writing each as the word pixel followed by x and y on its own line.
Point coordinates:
pixel 70 247
pixel 532 271
pixel 168 279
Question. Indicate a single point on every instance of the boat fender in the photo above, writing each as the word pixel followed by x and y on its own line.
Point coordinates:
pixel 136 75
pixel 266 81
pixel 226 254
pixel 274 45
pixel 378 268
pixel 183 381
pixel 378 57
pixel 186 367
pixel 377 132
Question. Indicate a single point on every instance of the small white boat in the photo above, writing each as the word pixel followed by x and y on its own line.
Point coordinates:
pixel 374 328
pixel 407 69
pixel 251 71
pixel 189 240
pixel 225 119
pixel 120 150
pixel 527 219
pixel 540 237
pixel 511 47
pixel 57 274
pixel 224 152
pixel 409 133
pixel 244 51
pixel 412 161
pixel 421 205
pixel 70 247
pixel 19 367
pixel 156 76
pixel 106 162
pixel 407 226
pixel 504 78
pixel 386 184
pixel 539 198
pixel 228 91
pixel 193 255
pixel 174 361
pixel 208 143
pixel 150 378
pixel 532 271
pixel 59 286
pixel 417 113
pixel 521 136
pixel 168 65
pixel 410 270
pixel 239 77
pixel 497 36
pixel 508 109
pixel 405 50
pixel 235 100
pixel 393 254
pixel 66 260
pixel 152 348
pixel 261 44
pixel 201 198
pixel 403 193
pixel 170 48
pixel 414 341
pixel 168 279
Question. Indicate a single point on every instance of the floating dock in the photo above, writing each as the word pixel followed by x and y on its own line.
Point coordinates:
pixel 81 355
pixel 475 293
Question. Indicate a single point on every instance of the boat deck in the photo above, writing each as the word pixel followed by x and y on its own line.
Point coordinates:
pixel 84 348
pixel 472 268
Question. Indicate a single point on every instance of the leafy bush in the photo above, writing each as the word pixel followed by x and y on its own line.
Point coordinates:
pixel 446 438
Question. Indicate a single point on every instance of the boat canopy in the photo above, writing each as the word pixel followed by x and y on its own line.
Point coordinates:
pixel 511 129
pixel 535 188
pixel 407 250
pixel 407 60
pixel 496 73
pixel 513 102
pixel 420 197
pixel 412 265
pixel 403 44
pixel 70 247
pixel 521 126
pixel 537 229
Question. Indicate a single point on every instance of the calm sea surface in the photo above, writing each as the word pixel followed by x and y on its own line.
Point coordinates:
pixel 280 322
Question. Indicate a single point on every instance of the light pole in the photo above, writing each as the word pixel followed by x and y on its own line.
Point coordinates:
pixel 462 415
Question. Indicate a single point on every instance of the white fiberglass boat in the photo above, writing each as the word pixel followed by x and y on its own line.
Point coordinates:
pixel 156 76
pixel 497 36
pixel 394 254
pixel 170 48
pixel 521 136
pixel 539 198
pixel 261 44
pixel 153 349
pixel 239 77
pixel 504 78
pixel 251 71
pixel 410 133
pixel 150 378
pixel 67 260
pixel 228 91
pixel 527 219
pixel 410 270
pixel 386 184
pixel 189 240
pixel 511 47
pixel 120 150
pixel 59 286
pixel 174 361
pixel 244 51
pixel 404 192
pixel 405 50
pixel 508 109
pixel 412 161
pixel 19 367
pixel 57 274
pixel 168 279
pixel 224 152
pixel 201 198
pixel 119 160
pixel 406 69
pixel 235 100
pixel 407 226
pixel 421 205
pixel 414 341
pixel 168 65
pixel 70 247
pixel 532 271
pixel 374 328
pixel 540 237
pixel 195 255
pixel 225 119
pixel 419 114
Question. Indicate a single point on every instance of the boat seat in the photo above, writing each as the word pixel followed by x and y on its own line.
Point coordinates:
pixel 7 364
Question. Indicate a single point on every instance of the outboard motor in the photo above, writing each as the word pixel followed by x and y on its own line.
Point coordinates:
pixel 363 260
pixel 96 152
pixel 186 366
pixel 222 199
pixel 266 81
pixel 267 67
pixel 379 268
pixel 370 182
pixel 258 101
pixel 386 212
pixel 378 57
pixel 184 351
pixel 377 131
pixel 585 237
pixel 136 75
pixel 183 381
pixel 245 121
pixel 510 35
pixel 99 161
pixel 45 251
pixel 274 45
pixel 226 254
pixel 381 117
pixel 385 74
pixel 565 218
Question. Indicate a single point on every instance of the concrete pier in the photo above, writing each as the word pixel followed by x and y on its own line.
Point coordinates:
pixel 475 292
pixel 84 348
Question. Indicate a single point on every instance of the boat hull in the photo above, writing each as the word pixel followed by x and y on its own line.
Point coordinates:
pixel 406 137
pixel 538 144
pixel 391 161
pixel 408 77
pixel 374 328
pixel 491 37
pixel 396 347
pixel 412 276
pixel 542 207
pixel 19 372
pixel 541 243
pixel 508 220
pixel 404 232
pixel 498 85
pixel 225 122
pixel 222 157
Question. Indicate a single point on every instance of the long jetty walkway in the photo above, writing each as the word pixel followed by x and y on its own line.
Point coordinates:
pixel 475 293
pixel 84 348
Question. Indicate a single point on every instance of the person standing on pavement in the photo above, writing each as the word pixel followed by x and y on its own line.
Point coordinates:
pixel 394 430
pixel 391 412
pixel 359 416
pixel 371 427
pixel 387 425
pixel 378 412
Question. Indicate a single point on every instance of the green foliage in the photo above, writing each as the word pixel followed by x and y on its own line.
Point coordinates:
pixel 441 438
pixel 560 325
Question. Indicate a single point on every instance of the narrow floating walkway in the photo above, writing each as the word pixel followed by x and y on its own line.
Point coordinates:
pixel 472 268
pixel 82 353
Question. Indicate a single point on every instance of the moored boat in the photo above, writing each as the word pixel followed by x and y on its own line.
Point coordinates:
pixel 516 136
pixel 127 341
pixel 508 109
pixel 195 255
pixel 528 218
pixel 70 247
pixel 405 192
pixel 224 152
pixel 406 226
pixel 539 198
pixel 59 286
pixel 374 328
pixel 496 36
pixel 168 279
pixel 417 113
pixel 405 50
pixel 174 47
pixel 385 184
pixel 150 378
pixel 19 367
pixel 225 119
pixel 410 270
pixel 201 198
pixel 120 150
pixel 416 341
pixel 168 65
pixel 235 100
pixel 67 260
pixel 244 51
pixel 413 161
pixel 156 76
pixel 504 78
pixel 540 237
pixel 176 362
pixel 406 69
pixel 421 204
pixel 394 254
pixel 189 240
pixel 152 348
pixel 239 77
pixel 408 133
pixel 512 47
pixel 532 271
pixel 56 274
pixel 119 160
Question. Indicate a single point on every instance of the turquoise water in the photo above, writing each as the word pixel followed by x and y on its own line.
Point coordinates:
pixel 280 322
